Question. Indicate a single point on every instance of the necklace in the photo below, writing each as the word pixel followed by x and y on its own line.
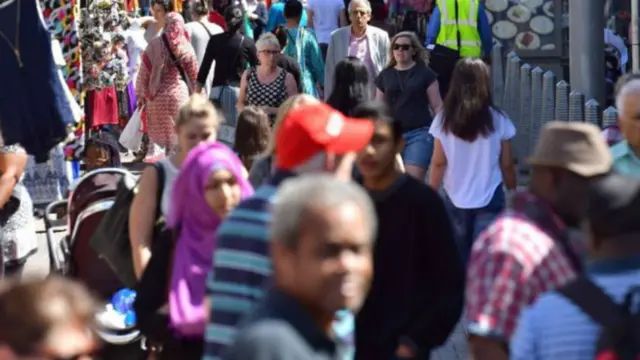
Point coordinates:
pixel 406 74
pixel 15 46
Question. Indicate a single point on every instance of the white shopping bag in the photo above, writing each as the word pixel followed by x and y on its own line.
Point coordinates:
pixel 131 136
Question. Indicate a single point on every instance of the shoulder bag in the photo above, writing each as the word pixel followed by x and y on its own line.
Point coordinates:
pixel 111 238
pixel 177 64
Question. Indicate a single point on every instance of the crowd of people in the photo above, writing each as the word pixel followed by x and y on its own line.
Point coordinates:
pixel 357 212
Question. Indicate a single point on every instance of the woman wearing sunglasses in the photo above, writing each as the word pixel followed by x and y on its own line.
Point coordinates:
pixel 404 85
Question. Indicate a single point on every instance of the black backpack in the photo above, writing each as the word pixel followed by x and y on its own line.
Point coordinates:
pixel 111 238
pixel 620 335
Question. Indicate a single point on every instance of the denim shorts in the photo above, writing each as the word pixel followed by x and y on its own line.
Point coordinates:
pixel 418 147
pixel 469 223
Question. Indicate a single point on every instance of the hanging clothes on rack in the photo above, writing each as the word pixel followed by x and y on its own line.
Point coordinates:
pixel 34 111
pixel 60 17
pixel 47 182
pixel 102 70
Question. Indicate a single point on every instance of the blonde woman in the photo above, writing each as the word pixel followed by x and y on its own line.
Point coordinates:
pixel 197 122
pixel 266 86
pixel 404 85
pixel 263 167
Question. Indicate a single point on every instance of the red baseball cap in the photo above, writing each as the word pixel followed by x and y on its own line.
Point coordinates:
pixel 313 128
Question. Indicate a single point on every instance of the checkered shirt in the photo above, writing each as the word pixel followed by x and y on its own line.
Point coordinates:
pixel 612 135
pixel 512 262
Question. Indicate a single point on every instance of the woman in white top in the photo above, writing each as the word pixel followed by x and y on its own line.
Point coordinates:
pixel 472 156
pixel 197 122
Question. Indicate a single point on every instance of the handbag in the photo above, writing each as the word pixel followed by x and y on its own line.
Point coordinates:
pixel 152 316
pixel 111 238
pixel 131 136
pixel 218 100
pixel 177 64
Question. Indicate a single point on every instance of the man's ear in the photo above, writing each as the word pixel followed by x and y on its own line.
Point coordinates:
pixel 400 145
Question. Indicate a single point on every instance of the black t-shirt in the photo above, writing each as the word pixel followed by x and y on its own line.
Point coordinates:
pixel 406 94
pixel 291 66
pixel 230 51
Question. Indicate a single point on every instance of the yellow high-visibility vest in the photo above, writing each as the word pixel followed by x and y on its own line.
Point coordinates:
pixel 467 23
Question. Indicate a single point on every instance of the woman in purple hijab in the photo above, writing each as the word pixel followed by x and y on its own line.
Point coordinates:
pixel 210 184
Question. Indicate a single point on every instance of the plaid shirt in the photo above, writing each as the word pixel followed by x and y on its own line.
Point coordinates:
pixel 612 135
pixel 512 262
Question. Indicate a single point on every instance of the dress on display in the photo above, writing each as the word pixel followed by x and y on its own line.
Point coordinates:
pixel 102 71
pixel 49 181
pixel 30 77
pixel 60 16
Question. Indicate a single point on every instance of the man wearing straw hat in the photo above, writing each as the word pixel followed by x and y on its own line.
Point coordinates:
pixel 528 250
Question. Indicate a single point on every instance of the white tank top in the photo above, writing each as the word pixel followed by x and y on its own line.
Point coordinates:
pixel 170 175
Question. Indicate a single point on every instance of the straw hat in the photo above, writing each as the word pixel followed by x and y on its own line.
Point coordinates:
pixel 573 146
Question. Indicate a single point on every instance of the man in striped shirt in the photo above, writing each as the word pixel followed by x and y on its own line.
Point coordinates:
pixel 312 138
pixel 556 327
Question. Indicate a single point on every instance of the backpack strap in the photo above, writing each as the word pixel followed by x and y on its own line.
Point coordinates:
pixel 593 301
pixel 160 189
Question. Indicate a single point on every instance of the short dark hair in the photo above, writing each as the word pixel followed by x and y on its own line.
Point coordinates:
pixel 293 9
pixel 166 5
pixel 281 34
pixel 253 132
pixel 613 205
pixel 378 111
pixel 233 18
pixel 200 7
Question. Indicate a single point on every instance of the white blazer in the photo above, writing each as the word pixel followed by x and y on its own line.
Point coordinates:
pixel 339 49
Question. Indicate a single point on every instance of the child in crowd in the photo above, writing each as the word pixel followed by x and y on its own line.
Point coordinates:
pixel 252 134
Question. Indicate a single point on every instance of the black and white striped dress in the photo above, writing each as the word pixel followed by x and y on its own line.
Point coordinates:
pixel 272 94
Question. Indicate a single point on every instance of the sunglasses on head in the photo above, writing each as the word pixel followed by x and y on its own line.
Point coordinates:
pixel 403 47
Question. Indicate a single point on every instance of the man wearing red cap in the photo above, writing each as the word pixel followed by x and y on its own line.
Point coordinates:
pixel 313 138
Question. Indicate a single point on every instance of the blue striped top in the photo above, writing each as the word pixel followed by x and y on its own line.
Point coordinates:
pixel 555 328
pixel 242 267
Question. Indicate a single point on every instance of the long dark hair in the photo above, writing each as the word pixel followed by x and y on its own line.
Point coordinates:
pixel 350 85
pixel 468 106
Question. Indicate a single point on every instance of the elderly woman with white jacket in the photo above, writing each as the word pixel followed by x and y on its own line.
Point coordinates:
pixel 368 43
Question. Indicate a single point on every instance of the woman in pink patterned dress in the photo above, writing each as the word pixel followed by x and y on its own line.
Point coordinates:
pixel 164 85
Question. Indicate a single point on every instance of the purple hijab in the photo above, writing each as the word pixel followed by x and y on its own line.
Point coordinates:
pixel 196 242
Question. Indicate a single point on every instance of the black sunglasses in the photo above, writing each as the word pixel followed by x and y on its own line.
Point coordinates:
pixel 403 47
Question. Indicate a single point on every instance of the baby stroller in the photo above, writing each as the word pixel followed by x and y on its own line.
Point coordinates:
pixel 90 198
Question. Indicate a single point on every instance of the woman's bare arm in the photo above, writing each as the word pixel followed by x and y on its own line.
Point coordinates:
pixel 242 95
pixel 434 97
pixel 438 165
pixel 290 85
pixel 507 165
pixel 12 165
pixel 142 218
